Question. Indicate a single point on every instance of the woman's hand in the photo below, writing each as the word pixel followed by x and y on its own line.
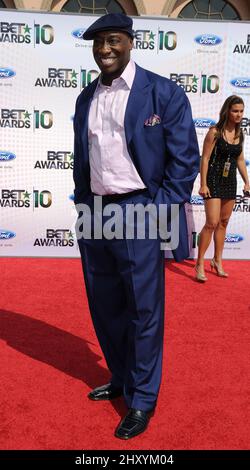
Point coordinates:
pixel 204 192
pixel 246 189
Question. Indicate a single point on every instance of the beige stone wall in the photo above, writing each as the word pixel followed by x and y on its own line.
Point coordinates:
pixel 241 6
pixel 170 8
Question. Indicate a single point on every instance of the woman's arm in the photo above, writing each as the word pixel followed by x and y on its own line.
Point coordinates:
pixel 208 146
pixel 241 164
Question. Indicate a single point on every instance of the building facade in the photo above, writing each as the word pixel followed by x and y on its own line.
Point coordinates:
pixel 202 9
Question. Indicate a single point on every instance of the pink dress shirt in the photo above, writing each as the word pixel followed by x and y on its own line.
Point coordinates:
pixel 111 168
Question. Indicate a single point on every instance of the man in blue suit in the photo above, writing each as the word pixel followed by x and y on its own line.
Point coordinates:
pixel 135 143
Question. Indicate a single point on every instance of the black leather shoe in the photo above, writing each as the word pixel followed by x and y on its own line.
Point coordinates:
pixel 105 392
pixel 134 423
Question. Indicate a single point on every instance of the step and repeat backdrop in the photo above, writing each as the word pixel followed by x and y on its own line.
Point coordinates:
pixel 44 65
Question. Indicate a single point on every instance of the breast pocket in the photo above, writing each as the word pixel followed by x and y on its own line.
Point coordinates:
pixel 154 127
pixel 153 131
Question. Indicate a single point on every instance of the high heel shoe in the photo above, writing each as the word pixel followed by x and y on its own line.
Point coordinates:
pixel 199 276
pixel 220 272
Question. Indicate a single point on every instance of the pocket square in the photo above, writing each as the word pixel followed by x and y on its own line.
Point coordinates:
pixel 152 120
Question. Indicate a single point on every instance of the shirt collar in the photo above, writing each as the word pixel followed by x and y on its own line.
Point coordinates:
pixel 127 76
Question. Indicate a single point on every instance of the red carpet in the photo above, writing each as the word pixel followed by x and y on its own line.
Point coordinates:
pixel 50 359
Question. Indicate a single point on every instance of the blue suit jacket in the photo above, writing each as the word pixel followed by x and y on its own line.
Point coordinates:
pixel 166 155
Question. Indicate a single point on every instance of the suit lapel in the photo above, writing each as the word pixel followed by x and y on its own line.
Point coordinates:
pixel 137 100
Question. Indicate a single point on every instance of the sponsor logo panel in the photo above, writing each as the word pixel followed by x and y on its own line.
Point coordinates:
pixel 234 238
pixel 66 78
pixel 197 200
pixel 56 160
pixel 58 77
pixel 78 33
pixel 192 83
pixel 241 82
pixel 59 237
pixel 208 40
pixel 231 238
pixel 6 156
pixel 204 122
pixel 243 48
pixel 6 234
pixel 22 119
pixel 6 72
pixel 22 198
pixel 245 126
pixel 22 33
pixel 242 204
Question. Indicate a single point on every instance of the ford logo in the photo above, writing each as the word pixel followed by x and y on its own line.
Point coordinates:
pixel 197 200
pixel 6 156
pixel 78 33
pixel 204 122
pixel 241 82
pixel 72 197
pixel 233 238
pixel 247 162
pixel 6 234
pixel 208 39
pixel 6 73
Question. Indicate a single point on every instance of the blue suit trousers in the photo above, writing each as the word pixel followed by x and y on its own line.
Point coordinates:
pixel 124 280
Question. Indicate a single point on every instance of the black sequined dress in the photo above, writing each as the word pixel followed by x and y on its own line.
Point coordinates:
pixel 220 186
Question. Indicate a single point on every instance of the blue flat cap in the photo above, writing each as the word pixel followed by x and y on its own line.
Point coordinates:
pixel 110 22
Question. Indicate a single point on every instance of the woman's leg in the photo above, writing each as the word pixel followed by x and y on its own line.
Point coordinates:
pixel 227 206
pixel 213 210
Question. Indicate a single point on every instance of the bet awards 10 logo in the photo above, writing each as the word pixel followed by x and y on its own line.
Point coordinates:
pixel 15 118
pixel 56 238
pixel 243 48
pixel 192 83
pixel 21 33
pixel 194 239
pixel 21 198
pixel 147 39
pixel 60 160
pixel 67 78
pixel 21 118
pixel 87 76
pixel 60 78
pixel 242 204
pixel 245 126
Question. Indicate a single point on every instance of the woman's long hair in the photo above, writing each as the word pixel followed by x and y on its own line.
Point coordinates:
pixel 221 124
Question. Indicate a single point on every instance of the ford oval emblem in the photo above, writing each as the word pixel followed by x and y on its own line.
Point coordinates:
pixel 6 156
pixel 6 234
pixel 241 82
pixel 196 200
pixel 6 72
pixel 204 122
pixel 208 40
pixel 78 33
pixel 233 238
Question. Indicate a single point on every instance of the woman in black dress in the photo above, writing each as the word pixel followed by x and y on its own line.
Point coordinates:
pixel 222 155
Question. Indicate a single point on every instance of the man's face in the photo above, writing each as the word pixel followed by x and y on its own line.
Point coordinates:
pixel 111 50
